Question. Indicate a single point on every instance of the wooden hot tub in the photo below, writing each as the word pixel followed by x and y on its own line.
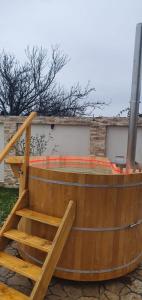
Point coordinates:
pixel 106 239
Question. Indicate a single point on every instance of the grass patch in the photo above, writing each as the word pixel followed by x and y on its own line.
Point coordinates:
pixel 8 197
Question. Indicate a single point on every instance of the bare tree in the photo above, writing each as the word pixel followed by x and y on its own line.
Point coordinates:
pixel 33 86
pixel 124 111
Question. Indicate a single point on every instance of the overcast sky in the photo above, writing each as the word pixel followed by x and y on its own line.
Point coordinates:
pixel 98 36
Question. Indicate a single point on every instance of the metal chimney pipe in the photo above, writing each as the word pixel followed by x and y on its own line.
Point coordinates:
pixel 135 99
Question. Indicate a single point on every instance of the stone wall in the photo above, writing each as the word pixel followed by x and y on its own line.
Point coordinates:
pixel 97 126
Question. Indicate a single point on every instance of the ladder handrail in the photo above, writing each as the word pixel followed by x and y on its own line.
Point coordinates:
pixel 17 135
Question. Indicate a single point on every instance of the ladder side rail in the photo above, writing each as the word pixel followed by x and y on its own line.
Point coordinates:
pixel 17 135
pixel 12 219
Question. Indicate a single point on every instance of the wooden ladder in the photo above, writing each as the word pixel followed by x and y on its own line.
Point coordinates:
pixel 41 276
pixel 53 249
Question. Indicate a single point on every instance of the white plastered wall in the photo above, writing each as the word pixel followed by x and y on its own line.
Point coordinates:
pixel 116 143
pixel 64 140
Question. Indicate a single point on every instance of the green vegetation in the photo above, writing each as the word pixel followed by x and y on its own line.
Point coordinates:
pixel 8 196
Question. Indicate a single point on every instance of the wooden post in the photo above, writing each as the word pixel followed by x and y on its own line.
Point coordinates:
pixel 24 175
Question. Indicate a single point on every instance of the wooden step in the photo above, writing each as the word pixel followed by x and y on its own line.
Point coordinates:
pixel 20 266
pixel 36 216
pixel 8 293
pixel 29 240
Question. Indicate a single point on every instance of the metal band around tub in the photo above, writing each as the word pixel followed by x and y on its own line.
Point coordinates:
pixel 87 185
pixel 87 271
pixel 102 229
pixel 92 229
